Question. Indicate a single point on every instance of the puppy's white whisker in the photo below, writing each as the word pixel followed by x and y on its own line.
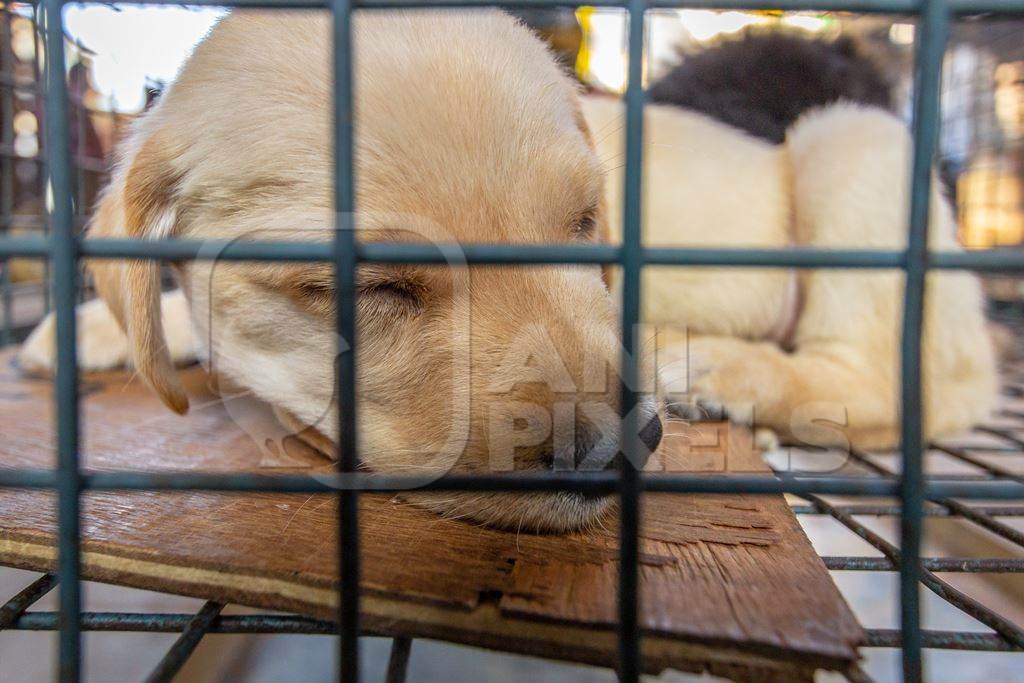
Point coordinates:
pixel 606 132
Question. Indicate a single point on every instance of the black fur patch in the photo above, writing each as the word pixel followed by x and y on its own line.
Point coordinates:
pixel 762 81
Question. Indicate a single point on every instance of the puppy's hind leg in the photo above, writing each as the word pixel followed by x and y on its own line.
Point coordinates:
pixel 102 344
pixel 960 380
pixel 850 169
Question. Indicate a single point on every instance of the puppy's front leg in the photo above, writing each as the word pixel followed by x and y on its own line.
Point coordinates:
pixel 827 395
pixel 102 344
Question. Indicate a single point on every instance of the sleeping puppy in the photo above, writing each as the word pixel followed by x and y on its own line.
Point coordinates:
pixel 812 355
pixel 834 177
pixel 762 79
pixel 467 131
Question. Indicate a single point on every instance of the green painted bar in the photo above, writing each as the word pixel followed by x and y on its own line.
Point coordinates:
pixel 861 6
pixel 345 259
pixel 630 665
pixel 65 280
pixel 931 46
pixel 591 482
pixel 1010 260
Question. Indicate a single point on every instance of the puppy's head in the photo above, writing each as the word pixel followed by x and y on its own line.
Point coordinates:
pixel 466 131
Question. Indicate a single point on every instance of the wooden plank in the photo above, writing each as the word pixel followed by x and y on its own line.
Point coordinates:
pixel 729 582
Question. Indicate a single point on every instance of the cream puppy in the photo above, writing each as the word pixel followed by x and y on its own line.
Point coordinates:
pixel 466 131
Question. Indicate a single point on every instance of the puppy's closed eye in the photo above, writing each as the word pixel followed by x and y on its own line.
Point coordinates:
pixel 585 225
pixel 397 295
pixel 404 293
pixel 318 297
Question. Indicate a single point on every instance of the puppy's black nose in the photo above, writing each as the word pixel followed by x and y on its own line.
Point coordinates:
pixel 651 434
pixel 587 455
pixel 592 450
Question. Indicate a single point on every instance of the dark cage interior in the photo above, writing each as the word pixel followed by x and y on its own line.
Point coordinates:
pixel 944 518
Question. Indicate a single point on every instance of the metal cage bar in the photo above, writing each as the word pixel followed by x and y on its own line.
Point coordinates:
pixel 133 622
pixel 198 626
pixel 16 606
pixel 398 660
pixel 63 249
pixel 978 516
pixel 930 44
pixel 1001 261
pixel 64 259
pixel 345 279
pixel 994 7
pixel 597 482
pixel 1013 634
pixel 629 476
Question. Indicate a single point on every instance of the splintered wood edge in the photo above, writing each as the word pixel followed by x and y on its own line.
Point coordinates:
pixel 484 626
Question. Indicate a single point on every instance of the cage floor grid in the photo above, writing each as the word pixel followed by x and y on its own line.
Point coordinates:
pixel 973 554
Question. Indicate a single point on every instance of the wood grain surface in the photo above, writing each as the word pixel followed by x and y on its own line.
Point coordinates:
pixel 728 582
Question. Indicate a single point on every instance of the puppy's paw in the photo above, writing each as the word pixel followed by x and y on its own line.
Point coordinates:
pixel 698 409
pixel 713 392
pixel 766 440
pixel 37 355
pixel 101 343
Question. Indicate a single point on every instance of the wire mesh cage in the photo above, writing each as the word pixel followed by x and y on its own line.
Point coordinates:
pixel 52 155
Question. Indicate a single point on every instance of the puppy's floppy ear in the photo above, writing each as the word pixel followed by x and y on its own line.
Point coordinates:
pixel 140 205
